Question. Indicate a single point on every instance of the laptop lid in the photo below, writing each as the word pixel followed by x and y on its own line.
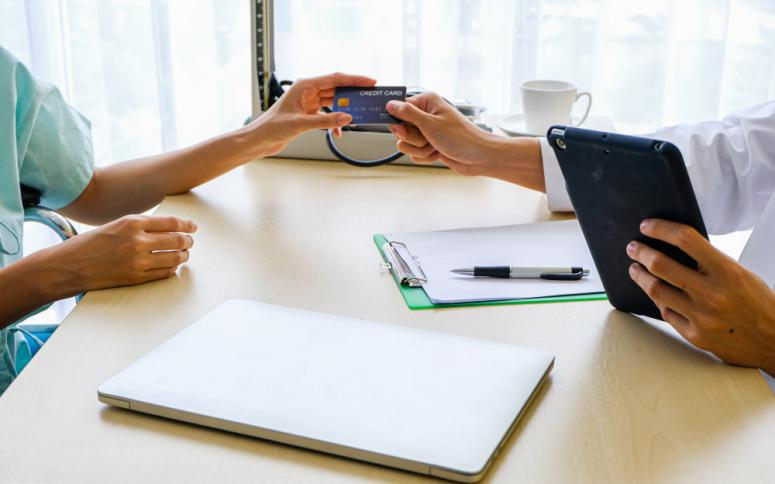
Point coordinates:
pixel 427 402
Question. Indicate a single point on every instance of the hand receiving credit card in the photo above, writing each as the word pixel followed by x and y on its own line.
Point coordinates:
pixel 367 104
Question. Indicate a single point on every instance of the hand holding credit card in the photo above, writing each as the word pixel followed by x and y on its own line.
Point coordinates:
pixel 367 105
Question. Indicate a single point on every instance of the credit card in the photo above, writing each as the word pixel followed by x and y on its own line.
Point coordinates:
pixel 367 104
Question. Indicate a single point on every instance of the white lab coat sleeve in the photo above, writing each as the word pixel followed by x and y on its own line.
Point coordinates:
pixel 556 193
pixel 731 164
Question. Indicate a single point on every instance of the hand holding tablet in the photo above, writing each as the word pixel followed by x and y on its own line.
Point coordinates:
pixel 615 183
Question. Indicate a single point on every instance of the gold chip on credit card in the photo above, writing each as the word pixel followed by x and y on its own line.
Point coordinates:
pixel 367 105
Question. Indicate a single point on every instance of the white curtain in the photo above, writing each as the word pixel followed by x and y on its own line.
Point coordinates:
pixel 153 75
pixel 647 63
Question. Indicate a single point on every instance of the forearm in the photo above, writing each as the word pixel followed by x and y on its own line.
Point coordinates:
pixel 137 185
pixel 179 171
pixel 31 283
pixel 515 160
pixel 730 165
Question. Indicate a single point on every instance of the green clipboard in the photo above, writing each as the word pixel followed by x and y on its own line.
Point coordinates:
pixel 416 298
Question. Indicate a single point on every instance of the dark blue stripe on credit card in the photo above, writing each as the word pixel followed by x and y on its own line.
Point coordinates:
pixel 367 104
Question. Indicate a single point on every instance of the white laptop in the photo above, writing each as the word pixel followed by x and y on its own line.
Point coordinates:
pixel 427 402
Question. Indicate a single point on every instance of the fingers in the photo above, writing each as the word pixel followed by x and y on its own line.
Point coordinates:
pixel 690 331
pixel 166 240
pixel 683 237
pixel 156 223
pixel 663 294
pixel 167 259
pixel 157 274
pixel 398 130
pixel 414 151
pixel 431 102
pixel 171 241
pixel 408 112
pixel 408 134
pixel 330 81
pixel 676 320
pixel 679 322
pixel 420 151
pixel 324 120
pixel 664 267
pixel 426 160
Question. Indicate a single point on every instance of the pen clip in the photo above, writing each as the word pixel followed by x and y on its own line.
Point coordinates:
pixel 573 276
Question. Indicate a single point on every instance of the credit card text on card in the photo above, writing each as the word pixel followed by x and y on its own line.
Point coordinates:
pixel 368 105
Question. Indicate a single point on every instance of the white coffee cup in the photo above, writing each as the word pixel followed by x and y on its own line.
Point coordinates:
pixel 546 103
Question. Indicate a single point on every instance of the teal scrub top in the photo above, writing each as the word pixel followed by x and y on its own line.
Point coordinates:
pixel 44 144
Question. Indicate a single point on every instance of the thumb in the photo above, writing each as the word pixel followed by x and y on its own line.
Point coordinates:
pixel 408 112
pixel 324 120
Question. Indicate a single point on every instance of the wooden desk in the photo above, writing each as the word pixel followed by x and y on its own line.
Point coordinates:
pixel 627 400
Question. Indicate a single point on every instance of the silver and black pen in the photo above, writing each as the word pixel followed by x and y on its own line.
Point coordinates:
pixel 508 272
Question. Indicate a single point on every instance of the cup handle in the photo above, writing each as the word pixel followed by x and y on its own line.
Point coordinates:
pixel 589 106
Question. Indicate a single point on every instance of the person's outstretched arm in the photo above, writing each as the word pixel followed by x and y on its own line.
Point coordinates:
pixel 434 130
pixel 731 162
pixel 137 185
pixel 722 307
pixel 138 248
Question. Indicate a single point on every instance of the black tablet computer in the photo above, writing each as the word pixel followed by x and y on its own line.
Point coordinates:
pixel 615 182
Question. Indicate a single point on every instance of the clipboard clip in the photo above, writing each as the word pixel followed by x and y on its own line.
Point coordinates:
pixel 405 266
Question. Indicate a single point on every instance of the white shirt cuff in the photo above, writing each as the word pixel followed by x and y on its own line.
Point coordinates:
pixel 556 193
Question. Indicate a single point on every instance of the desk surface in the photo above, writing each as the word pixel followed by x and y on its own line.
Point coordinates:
pixel 627 400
